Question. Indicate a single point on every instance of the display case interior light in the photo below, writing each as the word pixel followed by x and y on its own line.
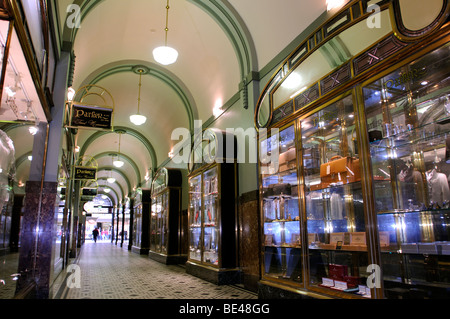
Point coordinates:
pixel 21 101
pixel 11 92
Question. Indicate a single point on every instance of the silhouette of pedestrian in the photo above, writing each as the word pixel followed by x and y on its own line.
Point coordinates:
pixel 95 234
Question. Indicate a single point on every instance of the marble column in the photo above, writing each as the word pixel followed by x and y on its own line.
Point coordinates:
pixel 249 240
pixel 130 229
pixel 37 236
pixel 123 226
pixel 35 261
pixel 113 232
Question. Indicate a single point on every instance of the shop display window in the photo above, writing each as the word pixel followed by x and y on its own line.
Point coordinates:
pixel 408 121
pixel 333 198
pixel 210 224
pixel 159 226
pixel 195 221
pixel 282 239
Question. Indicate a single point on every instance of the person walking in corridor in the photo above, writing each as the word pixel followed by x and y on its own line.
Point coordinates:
pixel 95 234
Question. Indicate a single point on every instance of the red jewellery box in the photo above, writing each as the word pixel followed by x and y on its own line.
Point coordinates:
pixel 337 272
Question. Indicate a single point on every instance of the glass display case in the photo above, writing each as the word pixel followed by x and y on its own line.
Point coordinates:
pixel 337 248
pixel 280 202
pixel 195 221
pixel 141 223
pixel 165 221
pixel 212 212
pixel 358 203
pixel 408 122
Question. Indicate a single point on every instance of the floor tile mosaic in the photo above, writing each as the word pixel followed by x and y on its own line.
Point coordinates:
pixel 111 272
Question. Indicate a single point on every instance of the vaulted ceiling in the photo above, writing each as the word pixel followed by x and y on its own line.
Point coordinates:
pixel 220 42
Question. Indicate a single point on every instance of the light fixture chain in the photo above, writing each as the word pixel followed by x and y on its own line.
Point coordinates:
pixel 167 21
pixel 140 86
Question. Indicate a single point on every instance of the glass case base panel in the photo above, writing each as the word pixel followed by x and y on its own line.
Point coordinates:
pixel 283 263
pixel 213 275
pixel 139 250
pixel 269 290
pixel 167 259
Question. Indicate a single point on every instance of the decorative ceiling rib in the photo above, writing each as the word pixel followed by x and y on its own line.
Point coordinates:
pixel 154 70
pixel 128 131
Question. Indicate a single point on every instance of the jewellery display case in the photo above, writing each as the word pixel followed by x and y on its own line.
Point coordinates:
pixel 280 202
pixel 165 221
pixel 358 203
pixel 337 250
pixel 141 224
pixel 212 211
pixel 408 120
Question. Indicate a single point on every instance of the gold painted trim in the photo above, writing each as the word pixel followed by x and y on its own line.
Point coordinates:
pixel 402 33
pixel 6 57
pixel 394 14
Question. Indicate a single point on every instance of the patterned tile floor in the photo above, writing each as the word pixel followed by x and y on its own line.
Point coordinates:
pixel 110 272
pixel 8 267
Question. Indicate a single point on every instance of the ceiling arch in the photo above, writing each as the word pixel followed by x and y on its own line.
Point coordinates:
pixel 127 159
pixel 221 11
pixel 111 186
pixel 120 173
pixel 222 44
pixel 153 70
pixel 129 131
pixel 117 198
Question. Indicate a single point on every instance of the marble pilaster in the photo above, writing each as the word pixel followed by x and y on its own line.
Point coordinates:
pixel 249 249
pixel 37 236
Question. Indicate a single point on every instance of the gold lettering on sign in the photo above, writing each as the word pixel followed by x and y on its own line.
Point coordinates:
pixel 92 115
pixel 404 78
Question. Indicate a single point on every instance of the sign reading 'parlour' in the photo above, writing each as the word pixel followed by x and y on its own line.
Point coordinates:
pixel 91 117
pixel 85 173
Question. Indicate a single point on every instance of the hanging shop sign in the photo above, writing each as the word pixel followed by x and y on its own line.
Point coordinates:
pixel 85 173
pixel 89 191
pixel 91 117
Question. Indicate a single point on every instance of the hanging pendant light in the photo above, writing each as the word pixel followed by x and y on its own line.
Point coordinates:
pixel 118 163
pixel 139 119
pixel 165 55
pixel 111 180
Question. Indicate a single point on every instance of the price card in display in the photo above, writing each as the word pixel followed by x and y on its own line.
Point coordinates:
pixel 336 237
pixel 340 285
pixel 362 290
pixel 327 282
